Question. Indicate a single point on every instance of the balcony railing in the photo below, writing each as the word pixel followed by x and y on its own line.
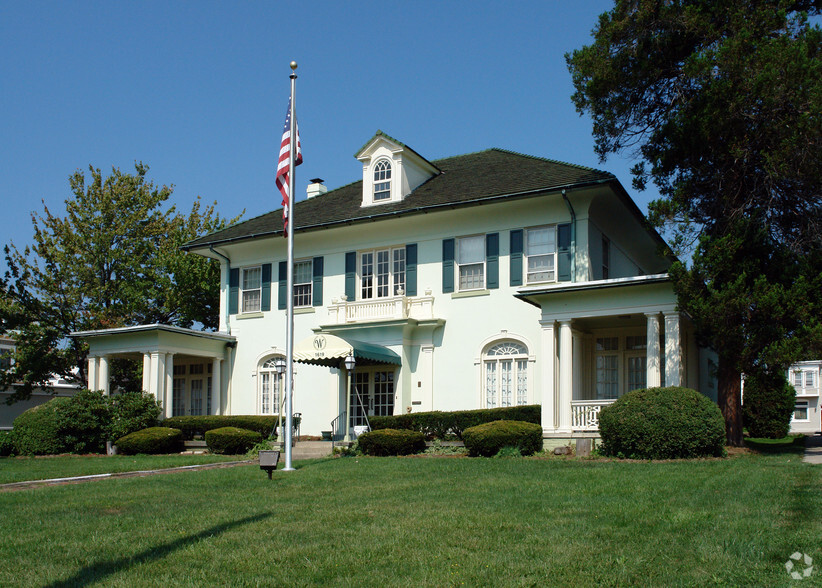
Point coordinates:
pixel 381 309
pixel 585 414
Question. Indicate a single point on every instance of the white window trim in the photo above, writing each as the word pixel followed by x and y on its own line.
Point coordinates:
pixel 382 161
pixel 807 411
pixel 310 283
pixel 457 264
pixel 274 407
pixel 622 352
pixel 259 289
pixel 525 255
pixel 392 282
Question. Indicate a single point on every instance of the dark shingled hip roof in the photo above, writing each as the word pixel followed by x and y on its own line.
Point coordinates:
pixel 465 180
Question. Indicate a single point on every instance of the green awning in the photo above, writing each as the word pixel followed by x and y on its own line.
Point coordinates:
pixel 331 350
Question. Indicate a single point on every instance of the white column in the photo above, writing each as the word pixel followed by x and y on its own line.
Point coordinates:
pixel 169 384
pixel 577 377
pixel 425 373
pixel 548 361
pixel 102 375
pixel 673 350
pixel 216 385
pixel 653 373
pixel 92 373
pixel 223 296
pixel 146 372
pixel 566 375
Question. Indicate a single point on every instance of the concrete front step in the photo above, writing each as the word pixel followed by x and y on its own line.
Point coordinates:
pixel 311 449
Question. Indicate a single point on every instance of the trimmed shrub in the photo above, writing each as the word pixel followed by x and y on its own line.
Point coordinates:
pixel 83 422
pixel 231 440
pixel 769 402
pixel 131 412
pixel 36 431
pixel 391 442
pixel 6 445
pixel 662 423
pixel 153 440
pixel 488 439
pixel 442 425
pixel 198 425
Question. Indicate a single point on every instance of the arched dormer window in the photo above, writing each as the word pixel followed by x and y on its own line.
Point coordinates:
pixel 382 180
pixel 505 374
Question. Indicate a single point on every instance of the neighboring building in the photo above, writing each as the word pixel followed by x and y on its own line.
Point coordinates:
pixel 804 376
pixel 9 412
pixel 482 280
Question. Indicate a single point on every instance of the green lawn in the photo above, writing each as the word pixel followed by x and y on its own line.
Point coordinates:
pixel 19 469
pixel 423 522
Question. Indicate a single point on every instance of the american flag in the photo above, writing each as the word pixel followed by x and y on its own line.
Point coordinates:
pixel 284 166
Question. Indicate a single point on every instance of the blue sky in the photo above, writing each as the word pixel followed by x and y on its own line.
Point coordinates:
pixel 198 91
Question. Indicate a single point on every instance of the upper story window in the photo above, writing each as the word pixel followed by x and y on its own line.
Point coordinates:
pixel 303 271
pixel 382 273
pixel 251 295
pixel 382 180
pixel 541 254
pixel 471 262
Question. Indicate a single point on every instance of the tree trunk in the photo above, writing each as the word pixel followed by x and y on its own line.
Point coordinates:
pixel 730 402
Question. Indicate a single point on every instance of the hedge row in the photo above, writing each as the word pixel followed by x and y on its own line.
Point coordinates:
pixel 391 442
pixel 488 439
pixel 198 425
pixel 231 440
pixel 151 441
pixel 442 425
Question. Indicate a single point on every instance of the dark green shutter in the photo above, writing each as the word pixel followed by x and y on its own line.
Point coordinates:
pixel 492 261
pixel 233 291
pixel 447 265
pixel 282 290
pixel 317 287
pixel 516 258
pixel 411 269
pixel 564 253
pixel 351 275
pixel 265 303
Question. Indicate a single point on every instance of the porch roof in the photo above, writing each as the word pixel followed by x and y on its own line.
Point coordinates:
pixel 330 350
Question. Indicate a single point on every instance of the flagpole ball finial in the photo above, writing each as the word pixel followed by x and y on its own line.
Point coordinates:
pixel 293 65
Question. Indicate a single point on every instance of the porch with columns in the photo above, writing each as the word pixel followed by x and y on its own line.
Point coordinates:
pixel 160 348
pixel 603 338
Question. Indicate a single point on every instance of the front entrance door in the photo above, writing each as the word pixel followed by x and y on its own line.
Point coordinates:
pixel 373 395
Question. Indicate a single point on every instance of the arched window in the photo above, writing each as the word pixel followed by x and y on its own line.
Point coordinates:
pixel 270 383
pixel 382 180
pixel 505 374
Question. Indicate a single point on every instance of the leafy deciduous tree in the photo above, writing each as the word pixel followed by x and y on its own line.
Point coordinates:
pixel 723 103
pixel 113 260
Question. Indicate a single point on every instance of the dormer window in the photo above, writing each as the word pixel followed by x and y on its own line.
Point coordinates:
pixel 382 180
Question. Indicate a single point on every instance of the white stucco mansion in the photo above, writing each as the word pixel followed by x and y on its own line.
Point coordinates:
pixel 482 280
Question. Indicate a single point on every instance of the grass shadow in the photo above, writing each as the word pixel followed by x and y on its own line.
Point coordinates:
pixel 98 571
pixel 786 445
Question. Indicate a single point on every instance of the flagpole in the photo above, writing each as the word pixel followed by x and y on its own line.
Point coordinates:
pixel 289 337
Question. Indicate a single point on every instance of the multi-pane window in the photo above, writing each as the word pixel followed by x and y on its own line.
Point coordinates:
pixel 5 358
pixel 382 273
pixel 607 367
pixel 270 385
pixel 302 283
pixel 197 396
pixel 800 410
pixel 620 365
pixel 382 181
pixel 373 395
pixel 809 379
pixel 505 367
pixel 252 289
pixel 804 379
pixel 540 254
pixel 178 391
pixel 471 262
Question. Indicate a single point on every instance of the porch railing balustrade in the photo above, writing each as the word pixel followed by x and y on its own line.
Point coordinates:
pixel 402 307
pixel 585 414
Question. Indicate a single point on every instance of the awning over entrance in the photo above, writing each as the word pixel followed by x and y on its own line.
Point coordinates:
pixel 330 350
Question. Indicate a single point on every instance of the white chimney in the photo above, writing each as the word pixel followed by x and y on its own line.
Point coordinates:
pixel 315 188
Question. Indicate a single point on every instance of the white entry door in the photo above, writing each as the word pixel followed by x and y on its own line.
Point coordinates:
pixel 373 395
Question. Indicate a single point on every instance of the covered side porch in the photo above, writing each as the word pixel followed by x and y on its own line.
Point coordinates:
pixel 604 338
pixel 185 370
